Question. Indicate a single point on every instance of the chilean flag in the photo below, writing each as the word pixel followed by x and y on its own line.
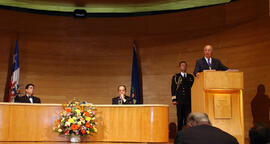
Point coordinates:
pixel 15 75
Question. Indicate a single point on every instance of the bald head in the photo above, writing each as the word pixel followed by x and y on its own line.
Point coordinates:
pixel 208 49
pixel 198 118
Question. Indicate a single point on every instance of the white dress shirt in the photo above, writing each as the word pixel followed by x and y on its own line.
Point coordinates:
pixel 183 74
pixel 210 60
pixel 30 99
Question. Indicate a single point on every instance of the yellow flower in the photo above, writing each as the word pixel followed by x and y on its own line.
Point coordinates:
pixel 79 123
pixel 77 111
pixel 95 129
pixel 59 130
pixel 71 120
pixel 74 118
pixel 88 119
pixel 88 132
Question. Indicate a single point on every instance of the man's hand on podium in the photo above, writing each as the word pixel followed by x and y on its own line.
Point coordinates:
pixel 175 102
pixel 197 75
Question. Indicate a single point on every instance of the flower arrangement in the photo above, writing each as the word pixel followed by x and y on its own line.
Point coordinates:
pixel 77 119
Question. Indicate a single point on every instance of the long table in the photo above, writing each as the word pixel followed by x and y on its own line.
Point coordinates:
pixel 116 123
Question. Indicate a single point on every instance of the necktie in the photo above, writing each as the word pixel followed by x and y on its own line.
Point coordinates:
pixel 208 62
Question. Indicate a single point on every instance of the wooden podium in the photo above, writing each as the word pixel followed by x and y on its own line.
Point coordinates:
pixel 219 94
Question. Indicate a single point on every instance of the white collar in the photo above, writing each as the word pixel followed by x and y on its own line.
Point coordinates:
pixel 210 59
pixel 183 74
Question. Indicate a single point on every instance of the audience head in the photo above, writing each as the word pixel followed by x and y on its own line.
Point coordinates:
pixel 197 118
pixel 259 134
pixel 183 66
pixel 29 89
pixel 122 90
pixel 208 49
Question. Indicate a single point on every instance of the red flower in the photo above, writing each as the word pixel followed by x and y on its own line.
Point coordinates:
pixel 68 110
pixel 74 127
pixel 86 114
pixel 88 125
pixel 67 131
pixel 83 131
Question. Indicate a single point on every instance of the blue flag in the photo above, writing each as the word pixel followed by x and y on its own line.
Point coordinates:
pixel 135 91
pixel 15 75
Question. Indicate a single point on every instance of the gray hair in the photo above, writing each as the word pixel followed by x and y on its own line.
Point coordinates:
pixel 198 117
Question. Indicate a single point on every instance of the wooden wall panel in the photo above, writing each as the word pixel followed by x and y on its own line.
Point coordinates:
pixel 87 58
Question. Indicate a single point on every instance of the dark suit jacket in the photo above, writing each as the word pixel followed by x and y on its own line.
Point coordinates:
pixel 183 91
pixel 201 64
pixel 25 99
pixel 129 100
pixel 204 134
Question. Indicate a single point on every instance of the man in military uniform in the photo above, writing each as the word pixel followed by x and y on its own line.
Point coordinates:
pixel 181 93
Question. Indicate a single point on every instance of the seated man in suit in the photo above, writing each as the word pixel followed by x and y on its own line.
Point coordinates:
pixel 122 98
pixel 200 131
pixel 28 97
pixel 208 62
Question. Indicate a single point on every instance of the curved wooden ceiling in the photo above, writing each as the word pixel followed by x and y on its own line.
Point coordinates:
pixel 86 2
pixel 110 6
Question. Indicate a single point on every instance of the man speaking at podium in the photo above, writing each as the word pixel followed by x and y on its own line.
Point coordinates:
pixel 208 62
pixel 181 93
pixel 28 97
